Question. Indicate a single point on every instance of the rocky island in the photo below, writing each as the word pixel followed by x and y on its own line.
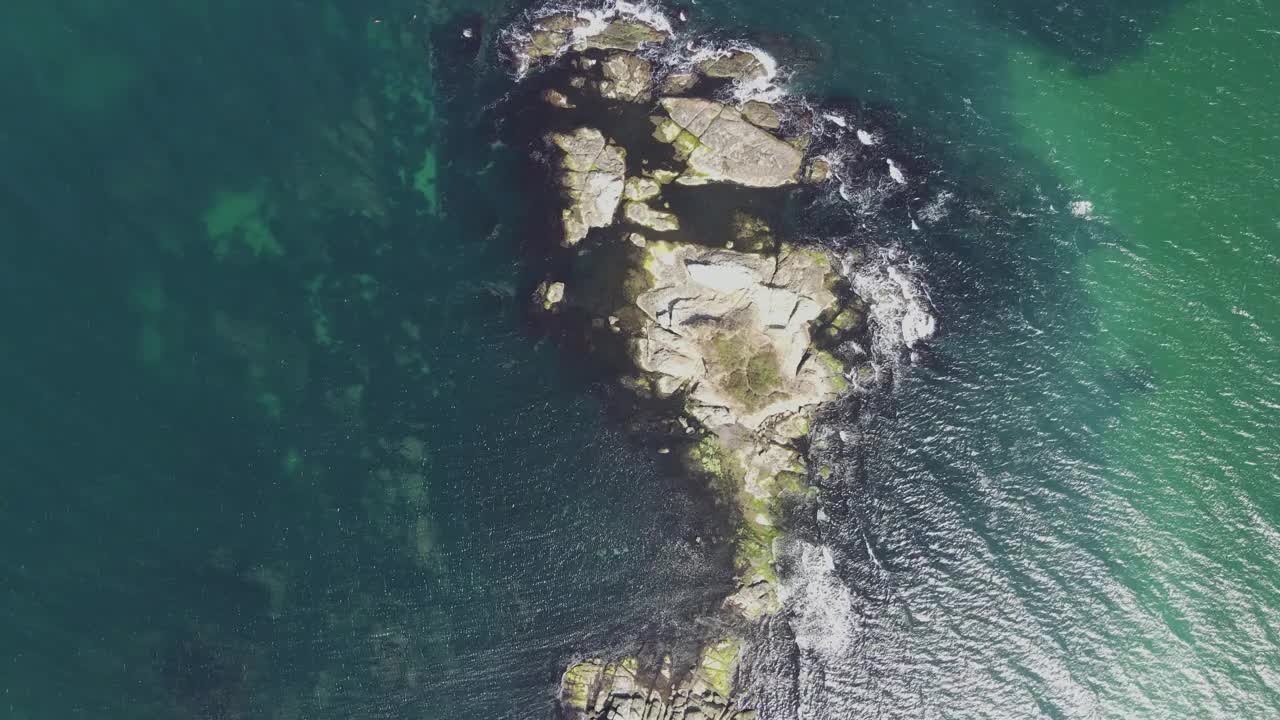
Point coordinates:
pixel 675 267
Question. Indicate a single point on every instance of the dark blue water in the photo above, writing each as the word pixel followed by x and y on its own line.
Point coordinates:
pixel 283 444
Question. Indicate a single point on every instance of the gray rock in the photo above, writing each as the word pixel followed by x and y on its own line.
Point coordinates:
pixel 596 690
pixel 723 147
pixel 592 174
pixel 626 77
pixel 641 214
pixel 819 171
pixel 550 36
pixel 667 130
pixel 628 34
pixel 678 83
pixel 641 188
pixel 737 64
pixel 755 601
pixel 555 98
pixel 547 38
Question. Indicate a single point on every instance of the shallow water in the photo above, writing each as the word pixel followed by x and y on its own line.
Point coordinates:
pixel 282 445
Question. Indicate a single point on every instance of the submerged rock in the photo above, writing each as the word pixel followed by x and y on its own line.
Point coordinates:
pixel 592 174
pixel 723 147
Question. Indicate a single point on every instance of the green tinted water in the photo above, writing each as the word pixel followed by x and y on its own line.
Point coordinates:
pixel 280 444
pixel 1179 152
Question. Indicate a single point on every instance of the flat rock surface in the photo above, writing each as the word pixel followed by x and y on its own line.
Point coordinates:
pixel 731 149
pixel 734 328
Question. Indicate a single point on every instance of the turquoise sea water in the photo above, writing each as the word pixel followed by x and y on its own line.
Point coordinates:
pixel 280 443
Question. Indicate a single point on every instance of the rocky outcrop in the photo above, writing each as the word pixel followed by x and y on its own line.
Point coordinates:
pixel 593 174
pixel 641 188
pixel 678 83
pixel 761 115
pixel 735 64
pixel 709 313
pixel 731 333
pixel 733 328
pixel 818 171
pixel 626 77
pixel 549 295
pixel 624 33
pixel 721 146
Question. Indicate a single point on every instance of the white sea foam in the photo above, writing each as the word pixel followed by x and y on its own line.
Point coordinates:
pixel 822 613
pixel 594 20
pixel 900 313
pixel 867 196
pixel 895 172
pixel 764 89
pixel 937 208
pixel 826 625
pixel 767 88
pixel 598 18
pixel 837 120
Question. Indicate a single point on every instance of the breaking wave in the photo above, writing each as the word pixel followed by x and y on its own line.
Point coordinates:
pixel 899 309
pixel 682 51
pixel 824 623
